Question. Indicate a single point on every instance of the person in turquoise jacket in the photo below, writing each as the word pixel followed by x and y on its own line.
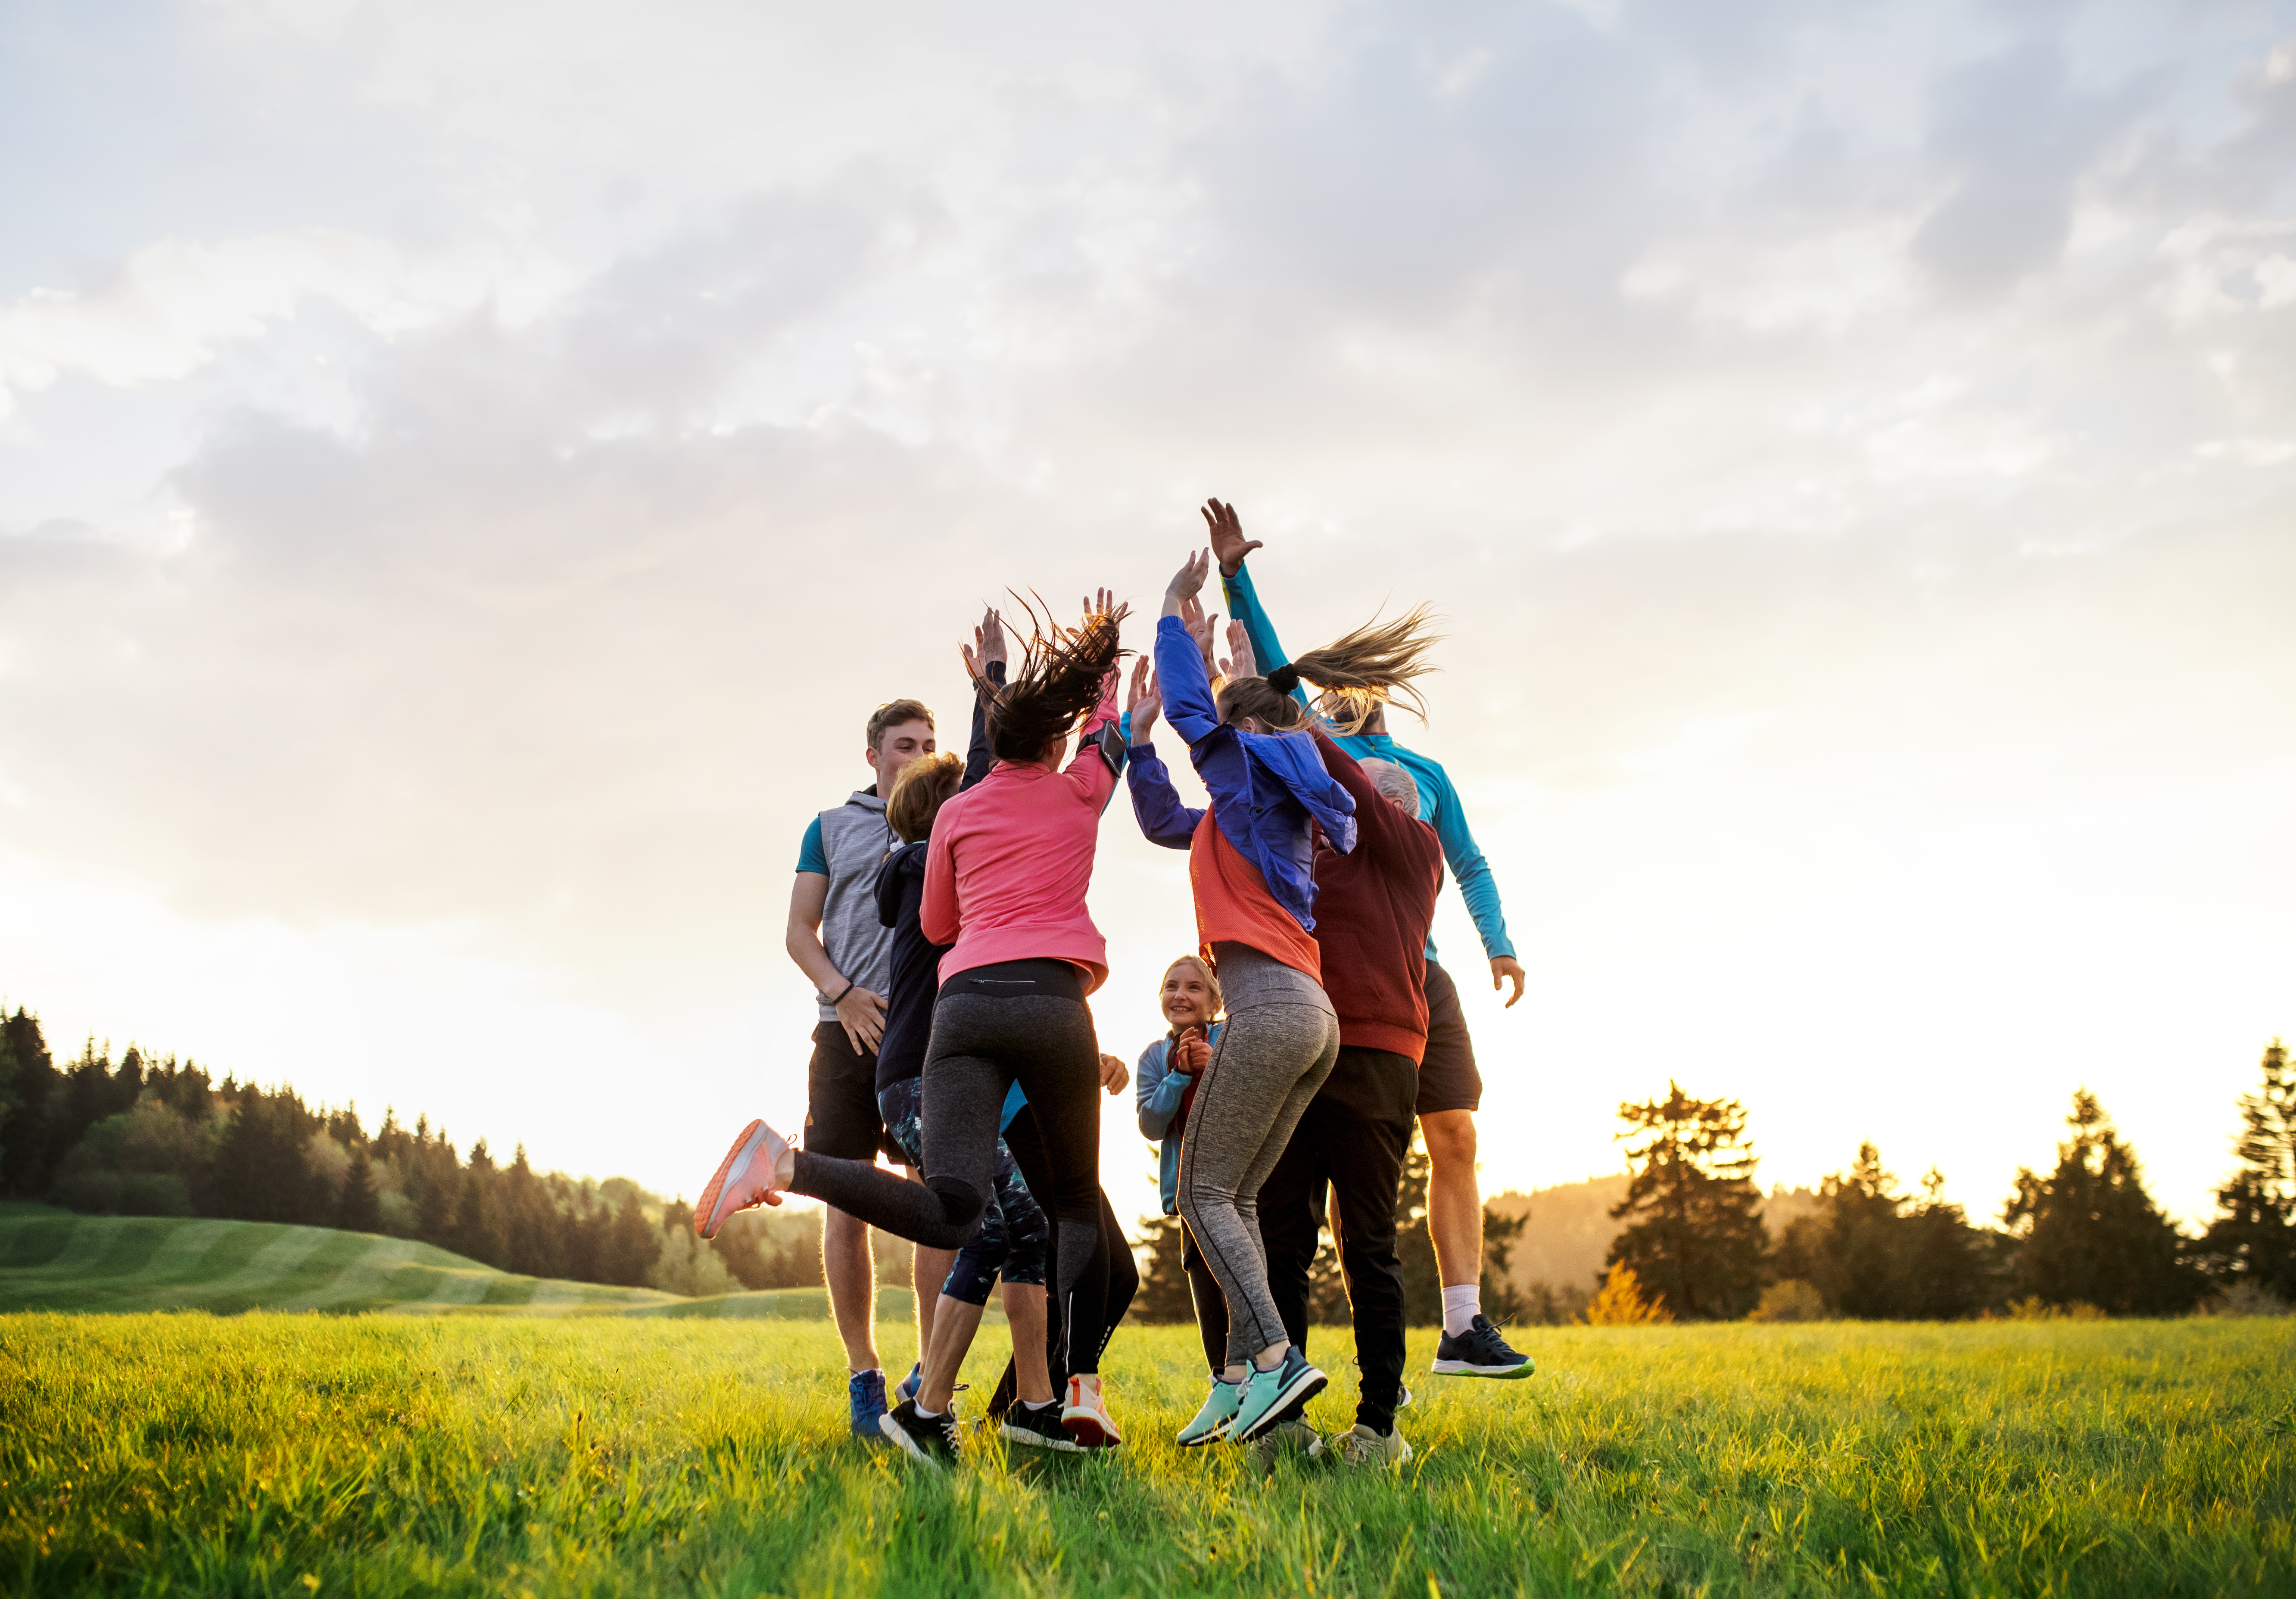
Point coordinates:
pixel 1164 1084
pixel 1450 1085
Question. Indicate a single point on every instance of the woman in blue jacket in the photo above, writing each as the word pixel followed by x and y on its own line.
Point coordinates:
pixel 1164 1083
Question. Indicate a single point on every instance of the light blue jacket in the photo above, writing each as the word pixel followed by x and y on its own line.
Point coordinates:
pixel 1159 1090
pixel 1438 802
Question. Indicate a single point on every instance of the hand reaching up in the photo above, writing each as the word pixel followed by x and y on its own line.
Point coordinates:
pixel 1199 628
pixel 1144 703
pixel 988 645
pixel 1241 662
pixel 1187 580
pixel 1228 542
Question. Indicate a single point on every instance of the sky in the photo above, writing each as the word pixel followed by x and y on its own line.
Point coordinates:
pixel 467 474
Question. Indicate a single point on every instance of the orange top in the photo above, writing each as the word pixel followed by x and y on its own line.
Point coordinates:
pixel 1234 905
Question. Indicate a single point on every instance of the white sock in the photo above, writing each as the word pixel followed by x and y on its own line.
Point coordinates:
pixel 1461 1305
pixel 926 1415
pixel 1039 1403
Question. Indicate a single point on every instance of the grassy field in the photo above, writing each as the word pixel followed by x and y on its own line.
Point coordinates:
pixel 600 1454
pixel 53 1260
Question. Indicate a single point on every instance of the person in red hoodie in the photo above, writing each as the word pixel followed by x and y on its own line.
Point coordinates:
pixel 1006 876
pixel 1373 909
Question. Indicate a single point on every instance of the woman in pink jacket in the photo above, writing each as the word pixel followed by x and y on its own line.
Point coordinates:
pixel 1005 884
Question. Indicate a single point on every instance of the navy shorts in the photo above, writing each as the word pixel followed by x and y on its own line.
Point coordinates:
pixel 1448 1078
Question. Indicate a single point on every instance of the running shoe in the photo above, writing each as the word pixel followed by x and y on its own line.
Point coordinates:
pixel 1039 1428
pixel 1285 1437
pixel 906 1387
pixel 1085 1415
pixel 1267 1394
pixel 930 1440
pixel 744 1179
pixel 1211 1423
pixel 1480 1352
pixel 1359 1446
pixel 1405 1402
pixel 866 1390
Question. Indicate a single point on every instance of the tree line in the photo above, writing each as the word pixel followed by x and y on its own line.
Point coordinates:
pixel 2082 1238
pixel 161 1137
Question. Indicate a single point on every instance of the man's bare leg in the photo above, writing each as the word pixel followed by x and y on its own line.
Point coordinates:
pixel 1024 1312
pixel 954 1322
pixel 931 1271
pixel 851 1276
pixel 1454 1200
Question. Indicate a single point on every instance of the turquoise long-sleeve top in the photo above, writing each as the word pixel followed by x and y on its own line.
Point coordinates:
pixel 1438 802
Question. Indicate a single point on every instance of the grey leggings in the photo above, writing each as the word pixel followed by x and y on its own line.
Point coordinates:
pixel 1281 1039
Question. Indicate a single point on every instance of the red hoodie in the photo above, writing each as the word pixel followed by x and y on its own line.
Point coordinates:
pixel 1373 908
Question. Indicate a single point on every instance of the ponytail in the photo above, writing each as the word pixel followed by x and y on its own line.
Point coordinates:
pixel 1378 662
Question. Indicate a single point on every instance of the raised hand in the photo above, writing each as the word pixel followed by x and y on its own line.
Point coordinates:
pixel 1144 703
pixel 1101 602
pixel 1241 662
pixel 1187 580
pixel 1228 542
pixel 988 645
pixel 1199 628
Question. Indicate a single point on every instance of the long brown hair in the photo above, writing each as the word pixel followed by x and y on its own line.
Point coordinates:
pixel 1062 672
pixel 1376 663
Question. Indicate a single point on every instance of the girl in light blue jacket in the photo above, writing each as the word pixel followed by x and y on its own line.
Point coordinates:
pixel 1165 1086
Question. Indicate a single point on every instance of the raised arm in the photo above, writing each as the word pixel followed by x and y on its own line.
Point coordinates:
pixel 984 661
pixel 1156 805
pixel 1477 886
pixel 1229 548
pixel 1186 687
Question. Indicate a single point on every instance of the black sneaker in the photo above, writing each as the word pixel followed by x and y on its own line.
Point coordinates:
pixel 1037 1429
pixel 931 1439
pixel 1480 1352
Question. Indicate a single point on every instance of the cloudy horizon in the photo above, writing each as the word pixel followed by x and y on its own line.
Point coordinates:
pixel 466 477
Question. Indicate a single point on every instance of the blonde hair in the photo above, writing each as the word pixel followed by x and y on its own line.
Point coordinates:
pixel 919 792
pixel 1377 663
pixel 1203 970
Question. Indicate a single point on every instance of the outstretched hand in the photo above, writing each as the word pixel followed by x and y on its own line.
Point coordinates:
pixel 1144 703
pixel 1100 601
pixel 1199 628
pixel 1187 580
pixel 988 645
pixel 1228 542
pixel 1240 662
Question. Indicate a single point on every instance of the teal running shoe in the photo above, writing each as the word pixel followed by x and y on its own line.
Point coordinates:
pixel 1212 1421
pixel 1266 1395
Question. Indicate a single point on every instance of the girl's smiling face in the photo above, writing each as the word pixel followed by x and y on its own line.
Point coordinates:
pixel 1188 1002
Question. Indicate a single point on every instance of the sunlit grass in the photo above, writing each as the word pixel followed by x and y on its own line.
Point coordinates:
pixel 268 1454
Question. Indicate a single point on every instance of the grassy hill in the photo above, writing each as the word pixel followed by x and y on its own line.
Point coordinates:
pixel 53 1259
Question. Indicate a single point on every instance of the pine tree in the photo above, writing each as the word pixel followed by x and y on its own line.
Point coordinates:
pixel 631 1247
pixel 357 1208
pixel 1502 1300
pixel 2253 1238
pixel 2089 1235
pixel 1694 1233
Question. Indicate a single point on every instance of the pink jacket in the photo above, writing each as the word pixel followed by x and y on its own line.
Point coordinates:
pixel 1011 859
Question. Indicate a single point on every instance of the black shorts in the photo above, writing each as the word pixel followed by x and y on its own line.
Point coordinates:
pixel 841 1119
pixel 1448 1078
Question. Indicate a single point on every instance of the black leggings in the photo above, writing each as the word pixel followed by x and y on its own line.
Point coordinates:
pixel 1113 1254
pixel 1020 1022
pixel 1211 1305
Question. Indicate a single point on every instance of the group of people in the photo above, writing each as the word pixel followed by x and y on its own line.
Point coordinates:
pixel 941 915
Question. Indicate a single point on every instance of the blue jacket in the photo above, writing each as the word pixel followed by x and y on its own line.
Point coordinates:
pixel 1438 802
pixel 1159 1090
pixel 1264 787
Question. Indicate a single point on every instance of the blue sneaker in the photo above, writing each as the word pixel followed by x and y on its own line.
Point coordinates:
pixel 906 1387
pixel 1267 1395
pixel 867 1392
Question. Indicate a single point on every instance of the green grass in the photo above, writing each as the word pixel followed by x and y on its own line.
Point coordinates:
pixel 270 1454
pixel 53 1259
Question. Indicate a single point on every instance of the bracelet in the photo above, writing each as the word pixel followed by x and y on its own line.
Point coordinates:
pixel 849 989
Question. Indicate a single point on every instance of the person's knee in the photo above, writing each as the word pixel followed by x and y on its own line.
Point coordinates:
pixel 1450 1138
pixel 962 1206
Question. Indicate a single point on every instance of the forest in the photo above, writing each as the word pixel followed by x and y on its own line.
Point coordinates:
pixel 1690 1236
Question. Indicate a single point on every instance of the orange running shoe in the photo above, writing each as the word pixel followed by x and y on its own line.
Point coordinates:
pixel 744 1179
pixel 1085 1415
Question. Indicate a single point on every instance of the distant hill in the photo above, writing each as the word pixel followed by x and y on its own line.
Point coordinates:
pixel 1571 1228
pixel 53 1260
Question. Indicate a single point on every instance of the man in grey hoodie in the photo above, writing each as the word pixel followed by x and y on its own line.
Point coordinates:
pixel 836 939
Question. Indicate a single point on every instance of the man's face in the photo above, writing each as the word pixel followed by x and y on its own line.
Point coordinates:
pixel 902 744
